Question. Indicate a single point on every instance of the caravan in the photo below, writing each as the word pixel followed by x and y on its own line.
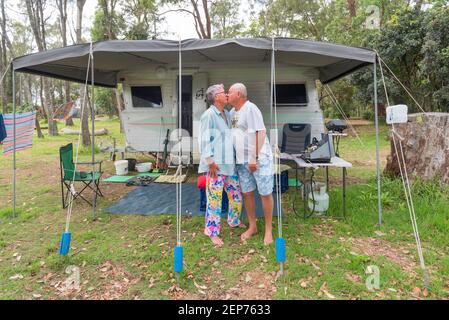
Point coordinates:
pixel 151 98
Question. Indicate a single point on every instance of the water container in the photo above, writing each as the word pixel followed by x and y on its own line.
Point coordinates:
pixel 121 167
pixel 321 198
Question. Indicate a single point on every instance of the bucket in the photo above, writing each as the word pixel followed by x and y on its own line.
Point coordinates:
pixel 144 167
pixel 121 167
pixel 131 164
pixel 321 198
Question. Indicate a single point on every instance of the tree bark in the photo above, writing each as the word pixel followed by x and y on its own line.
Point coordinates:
pixel 4 58
pixel 85 115
pixel 85 118
pixel 425 147
pixel 62 7
pixel 35 10
pixel 352 8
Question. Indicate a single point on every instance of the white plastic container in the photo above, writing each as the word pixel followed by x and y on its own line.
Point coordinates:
pixel 121 167
pixel 321 198
pixel 144 167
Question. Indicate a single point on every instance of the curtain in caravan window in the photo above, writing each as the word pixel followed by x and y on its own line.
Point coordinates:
pixel 291 94
pixel 147 96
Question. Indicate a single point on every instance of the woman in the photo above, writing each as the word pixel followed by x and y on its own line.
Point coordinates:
pixel 218 162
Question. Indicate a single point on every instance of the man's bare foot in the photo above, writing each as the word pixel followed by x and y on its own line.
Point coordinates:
pixel 217 241
pixel 268 239
pixel 248 234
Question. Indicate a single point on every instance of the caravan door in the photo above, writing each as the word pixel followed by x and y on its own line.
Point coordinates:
pixel 199 87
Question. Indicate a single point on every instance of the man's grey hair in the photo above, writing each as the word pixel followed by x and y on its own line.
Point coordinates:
pixel 240 87
pixel 212 91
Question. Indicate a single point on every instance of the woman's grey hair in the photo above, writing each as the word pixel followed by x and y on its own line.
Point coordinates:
pixel 212 91
pixel 240 87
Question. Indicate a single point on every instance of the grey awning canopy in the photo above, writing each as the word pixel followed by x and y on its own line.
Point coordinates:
pixel 70 63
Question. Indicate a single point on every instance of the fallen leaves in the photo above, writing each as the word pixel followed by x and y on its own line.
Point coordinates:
pixel 353 277
pixel 17 276
pixel 324 289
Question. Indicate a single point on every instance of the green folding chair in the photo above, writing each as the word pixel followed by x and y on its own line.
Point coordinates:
pixel 89 179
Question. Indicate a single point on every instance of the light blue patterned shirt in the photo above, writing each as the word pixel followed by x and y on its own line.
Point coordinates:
pixel 215 140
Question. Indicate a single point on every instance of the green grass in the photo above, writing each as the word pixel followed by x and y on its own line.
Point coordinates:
pixel 319 250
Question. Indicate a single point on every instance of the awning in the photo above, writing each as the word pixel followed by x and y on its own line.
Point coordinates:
pixel 111 57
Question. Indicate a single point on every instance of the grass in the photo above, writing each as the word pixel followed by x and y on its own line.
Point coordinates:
pixel 326 258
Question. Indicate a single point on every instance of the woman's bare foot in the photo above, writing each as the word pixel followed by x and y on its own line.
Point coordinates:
pixel 248 234
pixel 217 241
pixel 268 239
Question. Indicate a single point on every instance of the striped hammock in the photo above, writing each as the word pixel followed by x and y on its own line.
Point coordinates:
pixel 24 131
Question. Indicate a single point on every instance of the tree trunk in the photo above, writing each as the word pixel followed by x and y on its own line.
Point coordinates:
pixel 52 124
pixel 84 119
pixel 2 87
pixel 62 7
pixel 4 58
pixel 35 10
pixel 352 8
pixel 425 146
pixel 38 129
pixel 119 106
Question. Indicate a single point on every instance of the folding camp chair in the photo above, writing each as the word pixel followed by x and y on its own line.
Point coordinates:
pixel 68 174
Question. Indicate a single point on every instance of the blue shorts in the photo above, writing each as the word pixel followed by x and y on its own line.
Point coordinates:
pixel 262 178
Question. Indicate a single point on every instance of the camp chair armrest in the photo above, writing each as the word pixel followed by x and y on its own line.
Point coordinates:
pixel 90 162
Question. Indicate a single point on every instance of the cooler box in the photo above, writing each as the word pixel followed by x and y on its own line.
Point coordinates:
pixel 284 181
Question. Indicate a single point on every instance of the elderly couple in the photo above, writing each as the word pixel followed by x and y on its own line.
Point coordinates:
pixel 236 158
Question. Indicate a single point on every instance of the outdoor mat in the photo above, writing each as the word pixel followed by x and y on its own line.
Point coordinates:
pixel 122 179
pixel 292 182
pixel 161 199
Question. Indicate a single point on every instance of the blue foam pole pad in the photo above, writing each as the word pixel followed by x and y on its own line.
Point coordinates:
pixel 65 243
pixel 280 249
pixel 178 259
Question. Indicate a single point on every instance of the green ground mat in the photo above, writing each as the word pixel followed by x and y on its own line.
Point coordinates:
pixel 149 174
pixel 122 179
pixel 118 178
pixel 293 183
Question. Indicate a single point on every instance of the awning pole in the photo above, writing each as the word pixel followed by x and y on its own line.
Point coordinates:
pixel 14 141
pixel 92 116
pixel 376 121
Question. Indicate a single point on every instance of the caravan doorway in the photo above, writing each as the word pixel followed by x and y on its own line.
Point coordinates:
pixel 186 103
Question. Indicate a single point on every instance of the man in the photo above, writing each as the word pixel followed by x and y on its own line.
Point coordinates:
pixel 218 162
pixel 254 159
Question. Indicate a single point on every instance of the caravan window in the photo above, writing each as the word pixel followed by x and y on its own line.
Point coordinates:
pixel 292 94
pixel 147 97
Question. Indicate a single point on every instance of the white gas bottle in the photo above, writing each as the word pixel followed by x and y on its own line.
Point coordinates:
pixel 321 199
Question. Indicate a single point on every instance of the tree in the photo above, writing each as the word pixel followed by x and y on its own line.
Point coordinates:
pixel 35 10
pixel 62 8
pixel 108 25
pixel 4 47
pixel 199 10
pixel 83 89
pixel 142 19
pixel 435 57
pixel 224 16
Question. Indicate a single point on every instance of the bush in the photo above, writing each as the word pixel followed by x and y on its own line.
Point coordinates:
pixel 368 114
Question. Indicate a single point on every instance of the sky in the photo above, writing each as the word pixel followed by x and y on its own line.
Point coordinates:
pixel 177 24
